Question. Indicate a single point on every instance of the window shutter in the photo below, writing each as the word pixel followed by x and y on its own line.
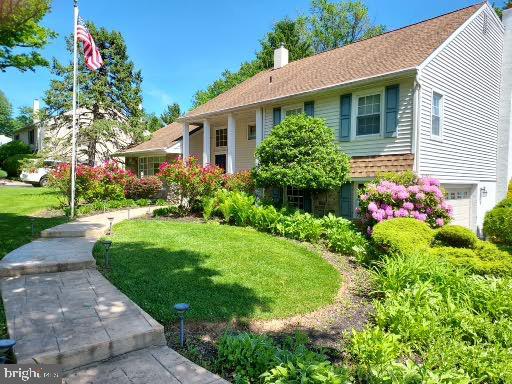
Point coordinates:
pixel 346 201
pixel 276 116
pixel 392 96
pixel 345 117
pixel 309 108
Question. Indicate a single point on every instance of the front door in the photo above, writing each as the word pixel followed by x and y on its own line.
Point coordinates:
pixel 220 161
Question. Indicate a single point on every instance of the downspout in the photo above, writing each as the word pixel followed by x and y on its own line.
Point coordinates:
pixel 415 147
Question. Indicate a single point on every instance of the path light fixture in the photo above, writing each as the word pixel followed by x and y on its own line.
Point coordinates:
pixel 181 309
pixel 111 221
pixel 7 355
pixel 107 244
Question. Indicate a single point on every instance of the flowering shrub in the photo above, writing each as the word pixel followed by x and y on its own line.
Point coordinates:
pixel 191 180
pixel 145 188
pixel 385 200
pixel 241 181
pixel 105 182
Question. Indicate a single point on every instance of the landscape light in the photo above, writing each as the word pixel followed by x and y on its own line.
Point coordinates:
pixel 181 309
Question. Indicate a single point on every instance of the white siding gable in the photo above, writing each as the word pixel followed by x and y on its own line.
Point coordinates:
pixel 467 74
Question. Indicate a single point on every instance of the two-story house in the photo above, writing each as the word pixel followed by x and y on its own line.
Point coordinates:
pixel 424 97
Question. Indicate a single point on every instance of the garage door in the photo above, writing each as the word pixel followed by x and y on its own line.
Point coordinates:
pixel 460 200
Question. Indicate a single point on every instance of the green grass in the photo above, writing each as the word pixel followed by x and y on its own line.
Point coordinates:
pixel 17 207
pixel 223 272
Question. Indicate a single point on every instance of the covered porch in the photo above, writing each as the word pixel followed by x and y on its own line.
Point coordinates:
pixel 226 140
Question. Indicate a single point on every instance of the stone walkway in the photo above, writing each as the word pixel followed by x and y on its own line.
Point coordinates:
pixel 61 310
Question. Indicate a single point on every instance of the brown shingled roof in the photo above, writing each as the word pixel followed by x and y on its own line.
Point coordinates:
pixel 392 52
pixel 370 166
pixel 160 140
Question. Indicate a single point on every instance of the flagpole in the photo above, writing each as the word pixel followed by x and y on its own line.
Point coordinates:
pixel 73 134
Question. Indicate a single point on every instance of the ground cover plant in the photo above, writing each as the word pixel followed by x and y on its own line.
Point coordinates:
pixel 224 272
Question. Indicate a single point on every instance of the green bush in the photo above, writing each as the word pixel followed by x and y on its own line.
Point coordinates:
pixel 509 192
pixel 402 236
pixel 405 178
pixel 170 211
pixel 13 164
pixel 456 236
pixel 498 225
pixel 3 174
pixel 505 203
pixel 13 148
pixel 319 373
pixel 342 236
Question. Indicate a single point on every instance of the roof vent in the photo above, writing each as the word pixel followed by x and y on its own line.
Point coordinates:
pixel 280 57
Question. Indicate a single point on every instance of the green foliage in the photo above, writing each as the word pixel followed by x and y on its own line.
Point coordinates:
pixel 340 23
pixel 170 211
pixel 3 174
pixel 6 127
pixel 20 29
pixel 319 373
pixel 405 178
pixel 456 236
pixel 505 203
pixel 152 122
pixel 171 113
pixel 436 324
pixel 13 164
pixel 484 259
pixel 301 152
pixel 112 93
pixel 498 225
pixel 13 148
pixel 240 209
pixel 145 188
pixel 509 190
pixel 402 236
pixel 109 205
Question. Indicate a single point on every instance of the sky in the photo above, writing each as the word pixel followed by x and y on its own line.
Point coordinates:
pixel 182 46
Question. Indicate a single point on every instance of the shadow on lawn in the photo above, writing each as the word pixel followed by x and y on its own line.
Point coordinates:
pixel 157 278
pixel 16 230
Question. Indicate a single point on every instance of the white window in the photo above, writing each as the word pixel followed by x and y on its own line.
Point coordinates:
pixel 221 137
pixel 437 114
pixel 251 132
pixel 150 165
pixel 368 119
pixel 292 111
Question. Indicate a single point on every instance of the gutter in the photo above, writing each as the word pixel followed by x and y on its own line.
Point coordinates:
pixel 384 76
pixel 415 147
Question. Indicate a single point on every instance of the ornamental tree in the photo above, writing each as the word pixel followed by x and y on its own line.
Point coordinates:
pixel 301 152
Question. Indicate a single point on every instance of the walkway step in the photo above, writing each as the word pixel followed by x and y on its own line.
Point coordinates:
pixel 74 318
pixel 49 255
pixel 155 365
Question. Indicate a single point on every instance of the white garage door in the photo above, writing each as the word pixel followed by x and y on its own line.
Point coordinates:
pixel 460 200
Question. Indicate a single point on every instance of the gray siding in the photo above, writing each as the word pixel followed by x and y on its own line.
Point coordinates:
pixel 467 72
pixel 328 107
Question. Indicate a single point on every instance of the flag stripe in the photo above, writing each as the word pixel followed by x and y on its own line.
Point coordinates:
pixel 92 54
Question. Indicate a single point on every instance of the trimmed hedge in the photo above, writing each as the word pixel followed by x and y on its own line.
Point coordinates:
pixel 13 164
pixel 402 236
pixel 13 148
pixel 498 225
pixel 456 236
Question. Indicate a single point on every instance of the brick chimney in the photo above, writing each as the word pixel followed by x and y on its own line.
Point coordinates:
pixel 280 57
pixel 504 160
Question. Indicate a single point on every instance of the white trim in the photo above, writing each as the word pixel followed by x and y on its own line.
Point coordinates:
pixel 231 154
pixel 452 37
pixel 355 102
pixel 206 142
pixel 222 149
pixel 252 124
pixel 416 124
pixel 185 147
pixel 259 125
pixel 441 114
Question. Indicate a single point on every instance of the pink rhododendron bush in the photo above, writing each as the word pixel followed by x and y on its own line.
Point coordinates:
pixel 422 200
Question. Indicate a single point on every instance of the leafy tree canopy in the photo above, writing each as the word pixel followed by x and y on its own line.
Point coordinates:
pixel 329 26
pixel 112 93
pixel 171 113
pixel 153 122
pixel 301 152
pixel 499 10
pixel 5 116
pixel 21 35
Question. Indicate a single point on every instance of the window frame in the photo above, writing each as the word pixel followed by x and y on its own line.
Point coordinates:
pixel 215 138
pixel 31 137
pixel 355 103
pixel 438 137
pixel 145 169
pixel 249 136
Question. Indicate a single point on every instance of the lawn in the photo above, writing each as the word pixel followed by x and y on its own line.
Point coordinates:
pixel 224 272
pixel 17 207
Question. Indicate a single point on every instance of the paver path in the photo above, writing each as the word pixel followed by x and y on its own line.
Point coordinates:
pixel 75 317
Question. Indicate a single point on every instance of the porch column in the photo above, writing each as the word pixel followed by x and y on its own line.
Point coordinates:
pixel 259 126
pixel 185 142
pixel 230 167
pixel 206 143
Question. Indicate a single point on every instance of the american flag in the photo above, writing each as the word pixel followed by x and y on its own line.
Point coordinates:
pixel 93 58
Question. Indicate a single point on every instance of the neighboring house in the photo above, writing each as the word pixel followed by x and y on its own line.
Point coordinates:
pixel 4 139
pixel 424 98
pixel 53 136
pixel 165 145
